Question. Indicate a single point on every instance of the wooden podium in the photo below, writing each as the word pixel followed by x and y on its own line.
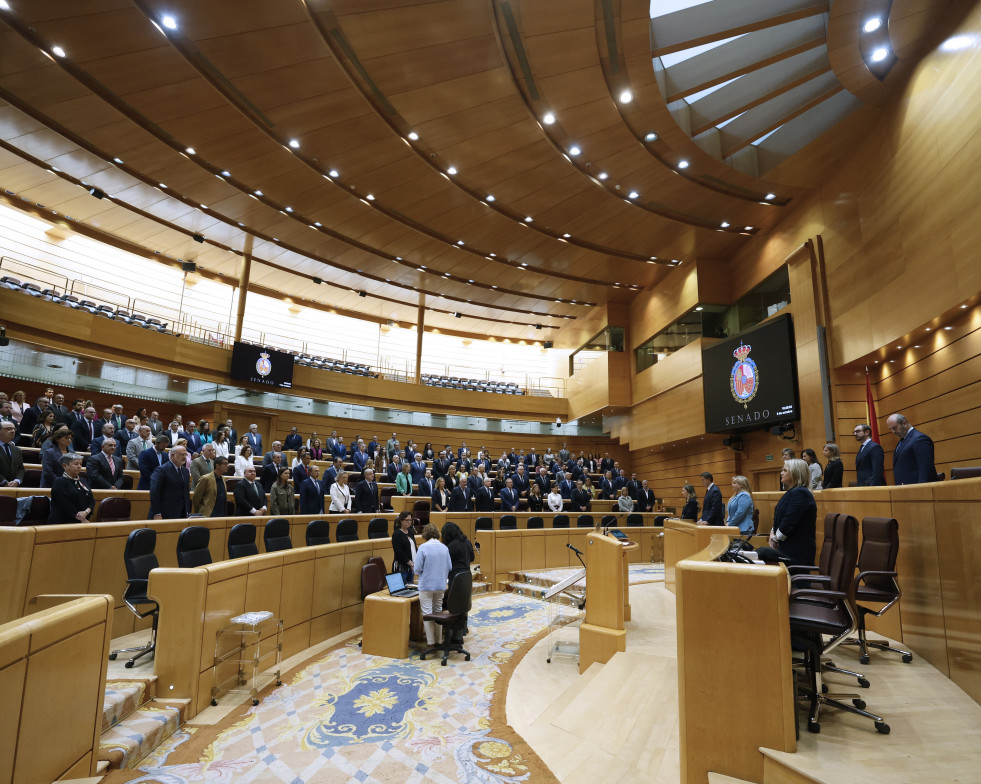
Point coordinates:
pixel 607 600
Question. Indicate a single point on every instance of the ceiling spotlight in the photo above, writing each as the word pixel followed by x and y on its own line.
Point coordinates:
pixel 197 238
pixel 4 6
pixel 458 315
pixel 459 242
pixel 549 118
pixel 362 293
pixel 567 236
pixel 169 22
pixel 633 195
pixel 574 151
pixel 748 228
pixel 190 151
pixel 528 219
pixel 289 209
pixel 490 197
pixel 770 196
pixel 880 54
pixel 333 173
pixel 872 24
pixel 626 96
pixel 317 281
pixel 963 307
pixel 683 164
pixel 98 193
pixel 58 51
pixel 161 185
pixel 257 193
pixel 724 224
pixel 413 135
pixel 370 197
pixel 226 173
pixel 318 224
pixel 602 175
pixel 699 309
pixel 451 171
pixel 294 144
pixel 948 329
pixel 650 137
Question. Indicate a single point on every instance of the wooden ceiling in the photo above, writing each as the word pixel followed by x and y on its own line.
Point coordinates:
pixel 360 203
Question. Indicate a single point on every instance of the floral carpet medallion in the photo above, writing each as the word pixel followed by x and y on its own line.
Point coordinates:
pixel 345 716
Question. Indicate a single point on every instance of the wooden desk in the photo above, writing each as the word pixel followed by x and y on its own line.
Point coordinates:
pixel 389 623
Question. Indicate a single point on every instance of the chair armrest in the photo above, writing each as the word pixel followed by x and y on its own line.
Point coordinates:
pixel 137 581
pixel 801 569
pixel 862 575
pixel 830 597
pixel 811 578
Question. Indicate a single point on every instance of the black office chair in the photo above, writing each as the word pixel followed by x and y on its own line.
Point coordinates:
pixel 113 510
pixel 378 528
pixel 192 547
pixel 584 521
pixel 8 509
pixel 453 616
pixel 535 522
pixel 509 522
pixel 609 521
pixel 318 532
pixel 140 561
pixel 818 613
pixel 241 541
pixel 347 531
pixel 276 535
pixel 483 524
pixel 560 521
pixel 635 519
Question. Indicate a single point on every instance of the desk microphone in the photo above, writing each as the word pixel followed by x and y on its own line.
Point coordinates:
pixel 577 552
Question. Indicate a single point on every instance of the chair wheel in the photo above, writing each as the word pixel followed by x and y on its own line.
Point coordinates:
pixel 129 665
pixel 255 702
pixel 548 661
pixel 279 683
pixel 863 683
pixel 443 663
pixel 214 703
pixel 864 658
pixel 422 657
pixel 112 657
pixel 907 657
pixel 813 726
pixel 860 704
pixel 882 727
pixel 467 657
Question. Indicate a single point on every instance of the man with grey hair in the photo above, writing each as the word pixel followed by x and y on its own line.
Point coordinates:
pixel 203 464
pixel 104 470
pixel 912 459
pixel 170 491
pixel 277 447
pixel 137 444
pixel 254 439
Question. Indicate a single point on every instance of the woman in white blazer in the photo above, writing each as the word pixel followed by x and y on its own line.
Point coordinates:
pixel 340 494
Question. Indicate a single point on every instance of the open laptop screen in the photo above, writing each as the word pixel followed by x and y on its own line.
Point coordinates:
pixel 395 582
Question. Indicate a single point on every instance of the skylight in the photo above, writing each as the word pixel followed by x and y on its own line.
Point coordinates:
pixel 665 7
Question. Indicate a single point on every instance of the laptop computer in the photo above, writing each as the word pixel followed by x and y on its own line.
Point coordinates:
pixel 396 585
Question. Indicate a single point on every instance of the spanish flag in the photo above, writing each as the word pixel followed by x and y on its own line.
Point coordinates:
pixel 870 407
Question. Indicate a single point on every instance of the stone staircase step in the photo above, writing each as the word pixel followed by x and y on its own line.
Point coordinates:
pixel 129 741
pixel 721 778
pixel 124 697
pixel 479 588
pixel 537 592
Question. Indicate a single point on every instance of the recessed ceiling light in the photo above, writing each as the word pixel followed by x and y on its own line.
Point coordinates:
pixel 370 197
pixel 451 171
pixel 567 236
pixel 226 173
pixel 493 254
pixel 927 329
pixel 490 197
pixel 524 263
pixel 683 164
pixel 528 219
pixel 413 135
pixel 203 206
pixel 748 228
pixel 333 173
pixel 699 309
pixel 294 144
pixel 602 175
pixel 548 118
pixel 459 242
pixel 880 54
pixel 770 196
pixel 948 329
pixel 117 160
pixel 190 151
pixel 633 195
pixel 626 96
pixel 4 6
pixel 872 24
pixel 161 185
pixel 724 224
pixel 318 224
pixel 289 209
pixel 58 51
pixel 169 22
pixel 915 346
pixel 900 348
pixel 257 193
pixel 650 137
pixel 963 307
pixel 574 151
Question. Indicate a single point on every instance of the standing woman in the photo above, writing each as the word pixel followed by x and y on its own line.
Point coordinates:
pixel 535 501
pixel 340 494
pixel 432 565
pixel 221 442
pixel 403 482
pixel 690 510
pixel 555 498
pixel 204 430
pixel 814 467
pixel 18 406
pixel 282 499
pixel 44 428
pixel 404 547
pixel 316 450
pixel 795 517
pixel 51 466
pixel 242 443
pixel 427 452
pixel 499 481
pixel 441 498
pixel 461 556
pixel 834 470
pixel 243 460
pixel 741 505
pixel 71 499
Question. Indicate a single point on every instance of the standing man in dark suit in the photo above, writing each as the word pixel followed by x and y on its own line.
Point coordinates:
pixel 645 498
pixel 712 505
pixel 565 488
pixel 459 498
pixel 366 494
pixel 312 493
pixel 249 498
pixel 233 433
pixel 155 425
pixel 633 486
pixel 869 459
pixel 331 474
pixel 170 488
pixel 117 418
pixel 509 496
pixel 580 500
pixel 61 410
pixel 425 486
pixel 293 441
pixel 270 471
pixel 108 431
pixel 394 467
pixel 607 488
pixel 33 415
pixel 520 480
pixel 84 431
pixel 152 459
pixel 254 439
pixel 11 459
pixel 912 459
pixel 104 470
pixel 441 465
pixel 484 497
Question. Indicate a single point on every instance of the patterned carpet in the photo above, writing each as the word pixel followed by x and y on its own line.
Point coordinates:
pixel 639 573
pixel 345 716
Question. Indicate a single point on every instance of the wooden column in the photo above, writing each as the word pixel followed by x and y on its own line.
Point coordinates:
pixel 243 285
pixel 420 329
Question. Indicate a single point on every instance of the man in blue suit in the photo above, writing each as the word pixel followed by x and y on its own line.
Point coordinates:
pixel 170 488
pixel 565 488
pixel 509 497
pixel 869 459
pixel 293 440
pixel 151 459
pixel 712 505
pixel 424 487
pixel 607 488
pixel 312 493
pixel 254 439
pixel 521 482
pixel 912 459
pixel 417 468
pixel 360 458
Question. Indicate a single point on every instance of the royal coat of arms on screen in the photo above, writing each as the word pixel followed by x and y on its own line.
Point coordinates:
pixel 263 365
pixel 744 380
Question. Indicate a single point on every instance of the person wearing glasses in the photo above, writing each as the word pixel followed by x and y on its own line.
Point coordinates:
pixel 870 458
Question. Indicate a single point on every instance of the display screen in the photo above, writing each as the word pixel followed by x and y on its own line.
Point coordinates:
pixel 262 365
pixel 750 380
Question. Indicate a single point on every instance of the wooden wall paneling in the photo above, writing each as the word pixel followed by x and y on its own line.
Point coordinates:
pixel 682 366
